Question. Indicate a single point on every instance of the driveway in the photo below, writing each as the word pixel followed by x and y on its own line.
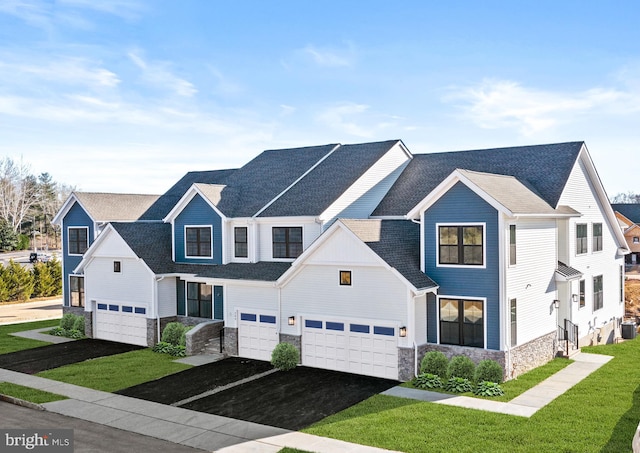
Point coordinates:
pixel 32 361
pixel 285 399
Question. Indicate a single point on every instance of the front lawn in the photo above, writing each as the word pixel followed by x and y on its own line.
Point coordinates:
pixel 118 371
pixel 600 414
pixel 29 394
pixel 9 343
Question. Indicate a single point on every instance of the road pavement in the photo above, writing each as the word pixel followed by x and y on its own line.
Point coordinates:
pixel 11 313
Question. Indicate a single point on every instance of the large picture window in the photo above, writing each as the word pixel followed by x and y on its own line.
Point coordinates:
pixel 461 245
pixel 78 240
pixel 581 238
pixel 462 322
pixel 198 242
pixel 597 237
pixel 241 249
pixel 287 242
pixel 76 291
pixel 199 298
pixel 598 301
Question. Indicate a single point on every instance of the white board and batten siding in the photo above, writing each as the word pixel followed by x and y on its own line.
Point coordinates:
pixel 531 281
pixel 167 297
pixel 580 194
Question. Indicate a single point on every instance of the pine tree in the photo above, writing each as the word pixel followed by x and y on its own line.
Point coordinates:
pixel 19 281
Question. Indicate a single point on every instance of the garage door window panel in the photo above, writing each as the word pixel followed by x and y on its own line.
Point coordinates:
pixel 199 300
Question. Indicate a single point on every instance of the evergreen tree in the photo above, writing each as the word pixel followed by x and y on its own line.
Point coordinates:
pixel 55 270
pixel 19 281
pixel 4 292
pixel 8 237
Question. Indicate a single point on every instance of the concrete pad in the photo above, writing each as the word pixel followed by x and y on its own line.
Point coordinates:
pixel 248 430
pixel 416 394
pixel 214 441
pixel 162 429
pixel 37 334
pixel 200 359
pixel 85 411
pixel 197 419
pixel 131 422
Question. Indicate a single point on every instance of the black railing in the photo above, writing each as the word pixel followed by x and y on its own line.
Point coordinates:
pixel 569 334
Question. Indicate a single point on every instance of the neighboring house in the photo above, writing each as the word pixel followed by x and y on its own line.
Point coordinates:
pixel 628 215
pixel 365 257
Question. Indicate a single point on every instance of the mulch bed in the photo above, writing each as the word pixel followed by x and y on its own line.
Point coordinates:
pixel 292 399
pixel 194 381
pixel 32 361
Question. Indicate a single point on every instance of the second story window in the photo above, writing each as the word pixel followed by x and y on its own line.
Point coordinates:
pixel 76 291
pixel 598 300
pixel 461 245
pixel 512 245
pixel 78 240
pixel 287 242
pixel 198 242
pixel 581 238
pixel 240 242
pixel 597 237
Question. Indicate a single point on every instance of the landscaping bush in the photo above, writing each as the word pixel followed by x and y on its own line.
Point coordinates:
pixel 175 333
pixel 461 366
pixel 285 356
pixel 67 321
pixel 426 381
pixel 78 325
pixel 171 349
pixel 458 385
pixel 434 362
pixel 71 326
pixel 489 371
pixel 485 388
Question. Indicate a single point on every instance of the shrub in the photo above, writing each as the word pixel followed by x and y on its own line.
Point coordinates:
pixel 78 324
pixel 485 388
pixel 71 326
pixel 19 281
pixel 434 362
pixel 489 371
pixel 285 356
pixel 458 385
pixel 75 334
pixel 55 269
pixel 174 333
pixel 67 321
pixel 171 349
pixel 426 381
pixel 57 331
pixel 461 366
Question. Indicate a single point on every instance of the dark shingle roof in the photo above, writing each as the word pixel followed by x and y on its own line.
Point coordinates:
pixel 166 202
pixel 330 179
pixel 397 242
pixel 254 185
pixel 543 168
pixel 152 243
pixel 567 272
pixel 630 210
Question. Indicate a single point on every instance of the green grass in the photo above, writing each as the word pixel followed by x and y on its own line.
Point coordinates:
pixel 118 371
pixel 9 343
pixel 29 394
pixel 600 414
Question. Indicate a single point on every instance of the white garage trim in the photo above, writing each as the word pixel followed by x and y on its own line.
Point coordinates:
pixel 257 333
pixel 123 323
pixel 369 348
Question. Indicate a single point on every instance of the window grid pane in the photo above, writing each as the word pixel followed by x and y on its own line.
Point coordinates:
pixel 460 245
pixel 198 241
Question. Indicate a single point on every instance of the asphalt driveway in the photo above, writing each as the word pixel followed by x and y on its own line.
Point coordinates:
pixel 285 399
pixel 35 360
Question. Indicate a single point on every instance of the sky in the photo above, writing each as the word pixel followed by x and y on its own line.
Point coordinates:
pixel 128 95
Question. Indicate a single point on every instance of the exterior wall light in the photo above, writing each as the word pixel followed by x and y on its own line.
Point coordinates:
pixel 556 303
pixel 403 331
pixel 292 320
pixel 574 297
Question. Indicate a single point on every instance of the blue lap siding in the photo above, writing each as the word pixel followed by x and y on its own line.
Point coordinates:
pixel 198 213
pixel 76 217
pixel 461 205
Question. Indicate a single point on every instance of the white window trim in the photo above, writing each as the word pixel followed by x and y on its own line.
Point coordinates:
pixel 463 266
pixel 484 318
pixel 575 239
pixel 185 242
pixel 509 245
pixel 79 227
pixel 84 302
pixel 593 237
pixel 239 259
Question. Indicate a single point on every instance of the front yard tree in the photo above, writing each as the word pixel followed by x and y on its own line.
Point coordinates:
pixel 18 192
pixel 8 237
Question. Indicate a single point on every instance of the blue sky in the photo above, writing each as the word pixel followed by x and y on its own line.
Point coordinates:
pixel 128 95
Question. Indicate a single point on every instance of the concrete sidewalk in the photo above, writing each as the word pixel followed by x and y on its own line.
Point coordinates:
pixel 186 427
pixel 524 405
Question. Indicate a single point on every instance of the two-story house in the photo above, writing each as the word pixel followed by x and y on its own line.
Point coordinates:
pixel 628 215
pixel 365 257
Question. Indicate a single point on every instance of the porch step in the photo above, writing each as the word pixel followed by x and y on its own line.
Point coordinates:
pixel 212 347
pixel 572 353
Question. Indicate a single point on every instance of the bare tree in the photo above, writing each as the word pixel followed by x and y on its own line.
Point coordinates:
pixel 18 192
pixel 628 197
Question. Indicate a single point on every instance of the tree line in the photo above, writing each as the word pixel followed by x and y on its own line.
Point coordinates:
pixel 28 203
pixel 18 283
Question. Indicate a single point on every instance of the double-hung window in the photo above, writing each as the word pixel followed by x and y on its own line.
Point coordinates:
pixel 198 241
pixel 287 242
pixel 462 322
pixel 199 298
pixel 461 245
pixel 597 293
pixel 512 245
pixel 597 237
pixel 76 291
pixel 78 240
pixel 581 238
pixel 240 242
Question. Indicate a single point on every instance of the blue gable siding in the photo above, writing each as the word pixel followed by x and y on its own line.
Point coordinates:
pixel 462 205
pixel 76 217
pixel 198 212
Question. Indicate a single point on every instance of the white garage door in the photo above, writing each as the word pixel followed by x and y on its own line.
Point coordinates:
pixel 121 323
pixel 257 334
pixel 370 349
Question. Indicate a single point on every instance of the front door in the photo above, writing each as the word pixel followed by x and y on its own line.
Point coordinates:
pixel 218 302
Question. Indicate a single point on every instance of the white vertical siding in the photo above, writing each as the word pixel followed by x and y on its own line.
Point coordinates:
pixel 359 200
pixel 310 232
pixel 167 297
pixel 238 295
pixel 531 281
pixel 580 194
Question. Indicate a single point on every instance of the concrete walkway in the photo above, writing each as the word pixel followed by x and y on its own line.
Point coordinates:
pixel 527 403
pixel 186 427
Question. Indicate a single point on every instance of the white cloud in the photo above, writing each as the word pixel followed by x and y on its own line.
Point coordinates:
pixel 34 12
pixel 495 104
pixel 328 57
pixel 159 75
pixel 126 9
pixel 68 71
pixel 343 117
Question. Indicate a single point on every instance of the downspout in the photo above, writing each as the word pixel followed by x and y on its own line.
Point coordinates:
pixel 415 359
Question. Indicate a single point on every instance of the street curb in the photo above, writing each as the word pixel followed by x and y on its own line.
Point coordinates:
pixel 19 402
